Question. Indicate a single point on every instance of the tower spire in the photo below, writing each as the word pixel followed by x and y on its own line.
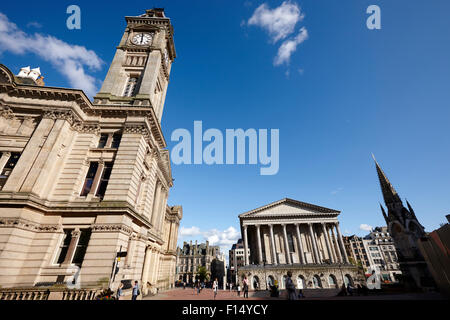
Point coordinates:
pixel 389 194
pixel 384 214
pixel 411 210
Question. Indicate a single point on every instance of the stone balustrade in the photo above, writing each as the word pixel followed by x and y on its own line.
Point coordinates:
pixel 45 294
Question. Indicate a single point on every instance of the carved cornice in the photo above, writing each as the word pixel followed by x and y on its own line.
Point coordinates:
pixel 82 127
pixel 118 227
pixel 58 114
pixel 29 225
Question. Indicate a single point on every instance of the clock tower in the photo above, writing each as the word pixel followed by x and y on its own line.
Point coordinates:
pixel 139 73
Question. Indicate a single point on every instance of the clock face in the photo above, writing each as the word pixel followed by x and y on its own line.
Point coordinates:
pixel 142 39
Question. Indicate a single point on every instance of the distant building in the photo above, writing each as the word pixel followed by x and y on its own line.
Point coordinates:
pixel 357 251
pixel 191 257
pixel 382 253
pixel 290 235
pixel 236 260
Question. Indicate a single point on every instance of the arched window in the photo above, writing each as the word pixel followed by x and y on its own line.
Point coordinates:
pixel 301 282
pixel 255 283
pixel 270 281
pixel 316 281
pixel 283 283
pixel 348 280
pixel 332 281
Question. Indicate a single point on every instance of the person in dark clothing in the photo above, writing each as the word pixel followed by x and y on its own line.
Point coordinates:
pixel 290 287
pixel 245 287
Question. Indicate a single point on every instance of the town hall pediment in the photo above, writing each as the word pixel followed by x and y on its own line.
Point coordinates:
pixel 288 207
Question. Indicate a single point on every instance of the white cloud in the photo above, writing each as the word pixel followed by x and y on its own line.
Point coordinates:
pixel 365 227
pixel 70 60
pixel 222 238
pixel 279 22
pixel 34 24
pixel 189 232
pixel 288 47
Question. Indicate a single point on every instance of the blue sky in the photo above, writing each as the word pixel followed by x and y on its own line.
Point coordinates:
pixel 345 92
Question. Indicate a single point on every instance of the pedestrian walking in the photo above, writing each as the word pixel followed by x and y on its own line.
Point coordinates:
pixel 239 290
pixel 290 287
pixel 245 287
pixel 135 292
pixel 215 287
pixel 119 291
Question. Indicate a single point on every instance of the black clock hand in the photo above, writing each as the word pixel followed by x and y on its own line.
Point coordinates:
pixel 142 38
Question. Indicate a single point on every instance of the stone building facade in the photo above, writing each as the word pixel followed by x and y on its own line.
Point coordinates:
pixel 356 249
pixel 383 254
pixel 290 235
pixel 192 256
pixel 236 260
pixel 84 185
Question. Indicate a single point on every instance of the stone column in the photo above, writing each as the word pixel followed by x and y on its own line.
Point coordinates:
pixel 4 159
pixel 301 254
pixel 146 270
pixel 336 246
pixel 245 246
pixel 341 243
pixel 314 244
pixel 156 204
pixel 333 247
pixel 29 155
pixel 272 244
pixel 72 246
pixel 286 245
pixel 327 241
pixel 258 235
pixel 162 209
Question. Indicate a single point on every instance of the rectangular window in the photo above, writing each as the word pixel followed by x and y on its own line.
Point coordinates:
pixel 130 88
pixel 89 179
pixel 9 166
pixel 80 251
pixel 103 140
pixel 116 140
pixel 104 180
pixel 64 245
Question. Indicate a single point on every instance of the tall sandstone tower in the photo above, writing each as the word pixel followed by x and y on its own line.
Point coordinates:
pixel 406 230
pixel 84 185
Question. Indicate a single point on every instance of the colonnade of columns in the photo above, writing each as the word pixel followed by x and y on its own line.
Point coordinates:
pixel 333 243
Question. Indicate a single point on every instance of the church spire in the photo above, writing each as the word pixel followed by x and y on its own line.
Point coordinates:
pixel 389 194
pixel 384 214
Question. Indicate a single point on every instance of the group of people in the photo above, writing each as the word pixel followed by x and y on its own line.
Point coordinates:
pixel 135 292
pixel 245 287
pixel 350 291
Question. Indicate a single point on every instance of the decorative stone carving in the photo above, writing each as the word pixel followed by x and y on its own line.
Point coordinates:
pixel 28 225
pixel 56 114
pixel 112 228
pixel 81 127
pixel 6 113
